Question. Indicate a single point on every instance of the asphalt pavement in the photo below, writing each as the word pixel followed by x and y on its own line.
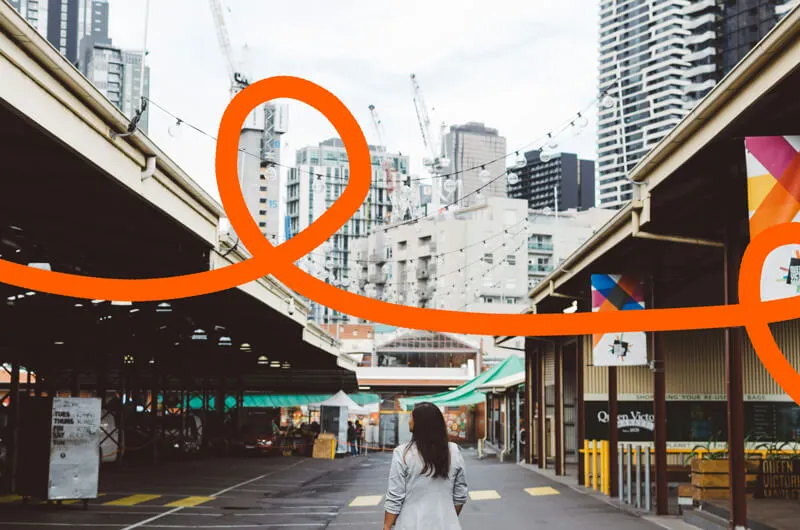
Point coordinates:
pixel 295 493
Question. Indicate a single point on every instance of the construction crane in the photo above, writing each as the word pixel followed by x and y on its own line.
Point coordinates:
pixel 379 132
pixel 437 162
pixel 239 80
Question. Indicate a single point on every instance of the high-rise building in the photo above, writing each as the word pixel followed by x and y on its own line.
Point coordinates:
pixel 658 59
pixel 78 29
pixel 35 12
pixel 722 33
pixel 472 148
pixel 65 23
pixel 117 74
pixel 557 181
pixel 317 180
pixel 642 64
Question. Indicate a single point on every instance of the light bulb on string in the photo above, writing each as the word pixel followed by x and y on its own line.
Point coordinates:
pixel 513 178
pixel 608 101
pixel 552 143
pixel 545 156
pixel 484 175
pixel 521 161
pixel 450 185
pixel 174 129
pixel 581 121
pixel 478 196
pixel 576 131
pixel 319 186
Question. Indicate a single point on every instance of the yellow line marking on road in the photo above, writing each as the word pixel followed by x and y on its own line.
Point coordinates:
pixel 367 500
pixel 537 492
pixel 484 495
pixel 131 500
pixel 5 499
pixel 189 501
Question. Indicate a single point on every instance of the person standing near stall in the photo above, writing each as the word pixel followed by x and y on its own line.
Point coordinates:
pixel 351 438
pixel 359 437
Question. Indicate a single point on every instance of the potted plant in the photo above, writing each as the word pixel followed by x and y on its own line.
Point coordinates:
pixel 710 467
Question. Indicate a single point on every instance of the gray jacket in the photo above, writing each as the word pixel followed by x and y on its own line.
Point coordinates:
pixel 423 502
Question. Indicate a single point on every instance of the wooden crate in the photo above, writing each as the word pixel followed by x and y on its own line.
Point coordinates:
pixel 710 479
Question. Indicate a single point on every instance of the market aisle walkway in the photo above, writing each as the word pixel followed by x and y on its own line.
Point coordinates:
pixel 302 493
pixel 502 495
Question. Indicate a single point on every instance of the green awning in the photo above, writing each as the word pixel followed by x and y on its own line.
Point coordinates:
pixel 468 393
pixel 282 400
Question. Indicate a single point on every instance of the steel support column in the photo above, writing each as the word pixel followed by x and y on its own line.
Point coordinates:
pixel 155 423
pixel 613 434
pixel 656 343
pixel 13 427
pixel 529 383
pixel 541 408
pixel 579 408
pixel 558 406
pixel 734 384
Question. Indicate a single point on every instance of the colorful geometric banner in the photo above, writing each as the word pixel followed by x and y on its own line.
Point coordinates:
pixel 773 197
pixel 615 292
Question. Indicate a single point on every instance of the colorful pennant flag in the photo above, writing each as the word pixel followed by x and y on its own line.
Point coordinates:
pixel 615 292
pixel 773 197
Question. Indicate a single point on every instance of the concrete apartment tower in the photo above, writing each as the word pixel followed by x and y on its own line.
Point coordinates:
pixel 79 30
pixel 561 182
pixel 319 177
pixel 657 60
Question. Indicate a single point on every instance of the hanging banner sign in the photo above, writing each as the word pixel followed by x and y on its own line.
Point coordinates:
pixel 773 197
pixel 615 292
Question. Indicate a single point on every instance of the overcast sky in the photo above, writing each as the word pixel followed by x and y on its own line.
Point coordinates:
pixel 520 67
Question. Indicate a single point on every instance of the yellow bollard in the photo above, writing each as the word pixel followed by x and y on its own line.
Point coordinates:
pixel 594 465
pixel 606 465
pixel 586 463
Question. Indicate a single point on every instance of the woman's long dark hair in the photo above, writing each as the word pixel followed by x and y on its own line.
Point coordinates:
pixel 430 438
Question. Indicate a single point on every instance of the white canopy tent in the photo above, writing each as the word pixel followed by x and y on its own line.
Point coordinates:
pixel 342 400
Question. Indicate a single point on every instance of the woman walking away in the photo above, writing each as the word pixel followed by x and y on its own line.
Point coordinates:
pixel 427 485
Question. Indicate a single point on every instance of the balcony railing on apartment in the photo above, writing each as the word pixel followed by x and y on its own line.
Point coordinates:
pixel 540 246
pixel 377 277
pixel 540 268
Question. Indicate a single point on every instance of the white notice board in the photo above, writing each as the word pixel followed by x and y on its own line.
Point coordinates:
pixel 74 448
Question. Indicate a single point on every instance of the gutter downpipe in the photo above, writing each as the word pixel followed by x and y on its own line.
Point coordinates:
pixel 149 168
